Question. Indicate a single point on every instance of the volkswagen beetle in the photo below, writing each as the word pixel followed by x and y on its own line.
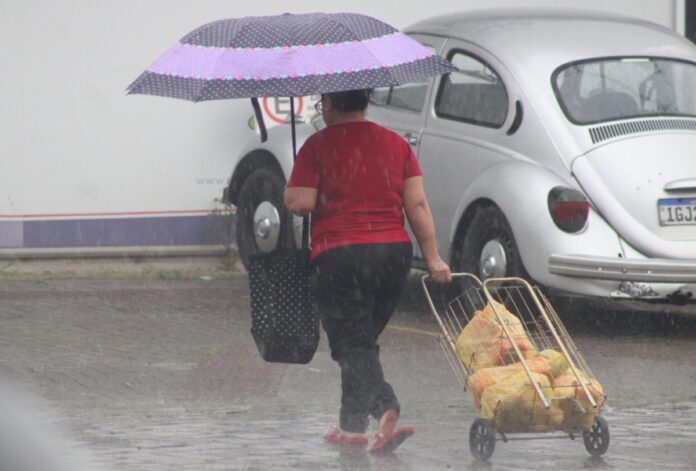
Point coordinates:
pixel 564 150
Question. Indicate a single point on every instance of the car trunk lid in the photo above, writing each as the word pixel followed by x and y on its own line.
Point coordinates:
pixel 645 186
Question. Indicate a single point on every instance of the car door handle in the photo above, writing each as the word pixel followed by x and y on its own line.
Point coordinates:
pixel 411 139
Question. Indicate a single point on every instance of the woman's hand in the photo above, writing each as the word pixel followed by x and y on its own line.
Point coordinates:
pixel 300 200
pixel 439 270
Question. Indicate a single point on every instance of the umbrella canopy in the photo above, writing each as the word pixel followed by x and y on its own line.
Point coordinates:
pixel 288 55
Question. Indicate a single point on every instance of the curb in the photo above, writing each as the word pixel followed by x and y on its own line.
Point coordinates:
pixel 115 252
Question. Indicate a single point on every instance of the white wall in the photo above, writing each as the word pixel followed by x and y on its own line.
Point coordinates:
pixel 72 142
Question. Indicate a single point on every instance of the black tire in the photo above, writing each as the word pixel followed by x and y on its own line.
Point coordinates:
pixel 597 437
pixel 488 225
pixel 482 439
pixel 263 184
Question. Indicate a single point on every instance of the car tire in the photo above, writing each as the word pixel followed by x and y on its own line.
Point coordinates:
pixel 259 212
pixel 488 248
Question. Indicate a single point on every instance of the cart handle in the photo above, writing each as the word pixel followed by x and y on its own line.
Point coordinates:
pixel 425 278
pixel 478 282
pixel 443 327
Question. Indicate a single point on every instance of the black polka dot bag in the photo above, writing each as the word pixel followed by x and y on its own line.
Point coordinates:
pixel 284 318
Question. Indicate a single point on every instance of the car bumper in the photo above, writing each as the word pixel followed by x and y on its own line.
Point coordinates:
pixel 637 278
pixel 621 269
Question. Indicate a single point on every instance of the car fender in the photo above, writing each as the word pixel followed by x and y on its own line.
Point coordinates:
pixel 520 189
pixel 276 151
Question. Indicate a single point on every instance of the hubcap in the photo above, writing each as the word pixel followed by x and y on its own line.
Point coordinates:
pixel 266 226
pixel 493 261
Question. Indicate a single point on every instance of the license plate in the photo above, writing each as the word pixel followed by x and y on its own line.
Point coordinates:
pixel 677 211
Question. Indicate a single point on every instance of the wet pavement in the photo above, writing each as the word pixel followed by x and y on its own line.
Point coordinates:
pixel 162 375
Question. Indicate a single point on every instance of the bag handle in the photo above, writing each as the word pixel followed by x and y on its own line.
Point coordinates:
pixel 287 216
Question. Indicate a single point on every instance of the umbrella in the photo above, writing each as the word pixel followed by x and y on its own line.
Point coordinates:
pixel 286 55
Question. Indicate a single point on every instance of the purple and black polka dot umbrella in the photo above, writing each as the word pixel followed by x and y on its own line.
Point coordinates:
pixel 287 55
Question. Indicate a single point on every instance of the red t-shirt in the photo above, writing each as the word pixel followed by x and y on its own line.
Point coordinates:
pixel 358 169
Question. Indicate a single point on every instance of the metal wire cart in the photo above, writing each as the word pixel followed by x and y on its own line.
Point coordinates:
pixel 509 349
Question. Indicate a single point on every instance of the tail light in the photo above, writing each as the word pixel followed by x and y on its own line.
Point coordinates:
pixel 569 209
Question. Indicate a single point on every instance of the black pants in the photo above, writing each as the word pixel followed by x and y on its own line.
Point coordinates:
pixel 358 288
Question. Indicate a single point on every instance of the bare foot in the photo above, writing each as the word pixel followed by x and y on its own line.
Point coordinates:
pixel 336 435
pixel 388 437
pixel 387 423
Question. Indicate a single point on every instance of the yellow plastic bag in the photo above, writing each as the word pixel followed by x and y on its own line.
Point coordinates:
pixel 557 363
pixel 579 414
pixel 486 377
pixel 483 343
pixel 516 407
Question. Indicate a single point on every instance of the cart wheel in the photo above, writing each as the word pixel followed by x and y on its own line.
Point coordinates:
pixel 481 439
pixel 597 437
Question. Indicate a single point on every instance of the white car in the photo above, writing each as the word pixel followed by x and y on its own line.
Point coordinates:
pixel 564 150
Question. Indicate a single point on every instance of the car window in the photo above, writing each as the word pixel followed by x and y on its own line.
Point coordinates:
pixel 410 96
pixel 474 94
pixel 625 87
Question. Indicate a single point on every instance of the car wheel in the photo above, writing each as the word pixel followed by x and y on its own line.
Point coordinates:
pixel 259 212
pixel 488 248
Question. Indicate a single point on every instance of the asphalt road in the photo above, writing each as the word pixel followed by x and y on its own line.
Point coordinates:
pixel 162 375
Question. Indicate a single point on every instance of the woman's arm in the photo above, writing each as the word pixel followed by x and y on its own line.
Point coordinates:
pixel 300 200
pixel 421 221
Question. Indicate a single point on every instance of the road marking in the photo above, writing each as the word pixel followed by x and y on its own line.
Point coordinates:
pixel 412 330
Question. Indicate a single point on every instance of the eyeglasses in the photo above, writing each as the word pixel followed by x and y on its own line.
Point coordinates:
pixel 318 107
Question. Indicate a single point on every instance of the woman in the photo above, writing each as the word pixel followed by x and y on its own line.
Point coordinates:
pixel 357 178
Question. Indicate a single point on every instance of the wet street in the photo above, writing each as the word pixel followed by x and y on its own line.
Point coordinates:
pixel 163 375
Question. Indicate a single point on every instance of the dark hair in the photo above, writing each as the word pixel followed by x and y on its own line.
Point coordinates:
pixel 350 100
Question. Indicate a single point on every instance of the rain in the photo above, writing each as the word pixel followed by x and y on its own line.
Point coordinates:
pixel 158 308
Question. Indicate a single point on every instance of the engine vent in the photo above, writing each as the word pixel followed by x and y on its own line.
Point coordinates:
pixel 610 131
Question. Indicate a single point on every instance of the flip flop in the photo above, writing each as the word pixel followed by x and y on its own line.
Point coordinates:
pixel 338 437
pixel 386 443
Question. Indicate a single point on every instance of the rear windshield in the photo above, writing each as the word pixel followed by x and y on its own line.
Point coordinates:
pixel 625 87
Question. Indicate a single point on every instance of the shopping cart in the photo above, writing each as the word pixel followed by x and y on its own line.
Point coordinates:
pixel 507 346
